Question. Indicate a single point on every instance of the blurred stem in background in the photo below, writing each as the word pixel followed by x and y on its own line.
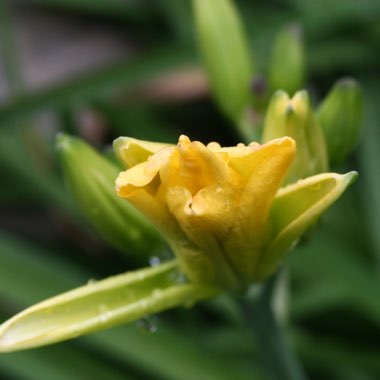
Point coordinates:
pixel 8 52
pixel 227 61
pixel 21 145
pixel 277 357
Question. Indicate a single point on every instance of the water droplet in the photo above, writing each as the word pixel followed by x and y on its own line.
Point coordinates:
pixel 104 313
pixel 294 245
pixel 218 188
pixel 147 324
pixel 154 261
pixel 177 277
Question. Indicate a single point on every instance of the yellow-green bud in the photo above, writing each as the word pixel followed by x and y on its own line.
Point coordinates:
pixel 340 116
pixel 91 179
pixel 287 66
pixel 294 117
pixel 225 54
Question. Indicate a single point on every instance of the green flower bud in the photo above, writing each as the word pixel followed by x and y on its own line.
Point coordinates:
pixel 225 54
pixel 341 118
pixel 91 179
pixel 287 66
pixel 294 117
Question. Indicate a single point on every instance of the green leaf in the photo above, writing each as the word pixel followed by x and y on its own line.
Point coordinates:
pixel 347 281
pixel 369 157
pixel 225 54
pixel 59 363
pixel 29 274
pixel 13 155
pixel 99 84
pixel 99 305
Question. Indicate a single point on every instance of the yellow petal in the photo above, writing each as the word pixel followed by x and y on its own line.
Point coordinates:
pixel 268 166
pixel 238 158
pixel 202 219
pixel 194 167
pixel 141 186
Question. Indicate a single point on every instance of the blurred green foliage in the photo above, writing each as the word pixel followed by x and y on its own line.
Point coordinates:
pixel 46 247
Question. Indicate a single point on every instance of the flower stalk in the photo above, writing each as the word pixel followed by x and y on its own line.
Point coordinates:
pixel 276 354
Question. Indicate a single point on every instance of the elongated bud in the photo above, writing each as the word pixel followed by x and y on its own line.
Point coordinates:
pixel 341 118
pixel 225 54
pixel 91 179
pixel 287 66
pixel 294 117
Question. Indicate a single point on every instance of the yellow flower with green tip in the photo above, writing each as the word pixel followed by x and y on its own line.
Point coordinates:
pixel 223 213
pixel 219 207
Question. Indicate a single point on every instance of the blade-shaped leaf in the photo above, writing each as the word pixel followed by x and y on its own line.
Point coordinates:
pixel 99 305
pixel 43 273
pixel 97 85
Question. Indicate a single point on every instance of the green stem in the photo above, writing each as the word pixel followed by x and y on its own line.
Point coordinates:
pixel 277 357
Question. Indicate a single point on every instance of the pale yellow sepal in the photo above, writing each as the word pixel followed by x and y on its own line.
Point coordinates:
pixel 295 209
pixel 131 151
pixel 99 305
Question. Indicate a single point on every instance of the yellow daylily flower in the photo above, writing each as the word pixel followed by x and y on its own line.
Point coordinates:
pixel 214 205
pixel 222 211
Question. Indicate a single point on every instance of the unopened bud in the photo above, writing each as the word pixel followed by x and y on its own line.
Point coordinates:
pixel 91 179
pixel 295 118
pixel 225 54
pixel 341 118
pixel 287 65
